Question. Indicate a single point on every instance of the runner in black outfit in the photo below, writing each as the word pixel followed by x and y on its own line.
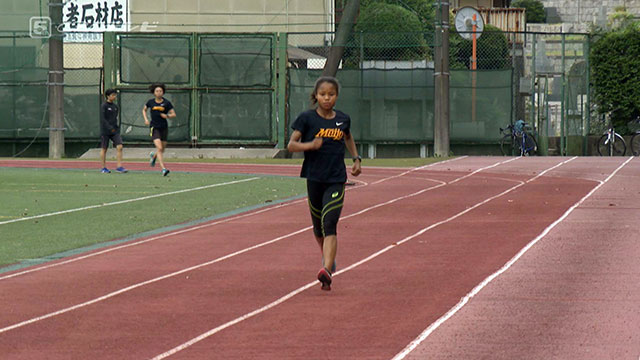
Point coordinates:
pixel 322 133
pixel 161 110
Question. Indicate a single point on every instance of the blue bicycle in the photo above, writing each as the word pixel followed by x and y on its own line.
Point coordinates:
pixel 517 141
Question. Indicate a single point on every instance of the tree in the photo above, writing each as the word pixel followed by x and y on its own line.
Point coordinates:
pixel 615 74
pixel 423 9
pixel 492 52
pixel 535 10
pixel 388 32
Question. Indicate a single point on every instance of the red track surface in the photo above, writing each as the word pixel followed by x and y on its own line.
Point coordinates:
pixel 575 294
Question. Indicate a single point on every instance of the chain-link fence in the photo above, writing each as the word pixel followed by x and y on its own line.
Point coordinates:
pixel 221 85
pixel 23 85
pixel 557 87
pixel 388 85
pixel 83 64
pixel 228 88
pixel 24 63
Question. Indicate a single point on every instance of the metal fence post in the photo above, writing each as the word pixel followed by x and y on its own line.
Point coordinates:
pixel 56 83
pixel 441 141
pixel 563 107
pixel 533 87
pixel 587 127
pixel 283 41
pixel 109 62
pixel 194 121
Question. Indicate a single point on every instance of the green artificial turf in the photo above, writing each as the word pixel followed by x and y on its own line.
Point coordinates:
pixel 32 192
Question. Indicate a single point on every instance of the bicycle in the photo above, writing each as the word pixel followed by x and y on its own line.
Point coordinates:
pixel 611 143
pixel 517 141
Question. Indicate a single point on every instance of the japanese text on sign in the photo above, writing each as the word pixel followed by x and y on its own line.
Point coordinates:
pixel 95 15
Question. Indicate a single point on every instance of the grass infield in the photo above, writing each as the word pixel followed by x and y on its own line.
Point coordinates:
pixel 31 192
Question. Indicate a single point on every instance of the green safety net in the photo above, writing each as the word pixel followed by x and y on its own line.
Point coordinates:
pixel 233 82
pixel 24 98
pixel 493 103
pixel 397 106
pixel 236 61
pixel 162 58
pixel 132 125
pixel 235 116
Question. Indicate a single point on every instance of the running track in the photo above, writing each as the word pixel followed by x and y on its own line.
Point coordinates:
pixel 543 253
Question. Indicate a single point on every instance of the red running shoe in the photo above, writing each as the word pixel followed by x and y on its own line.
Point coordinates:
pixel 324 276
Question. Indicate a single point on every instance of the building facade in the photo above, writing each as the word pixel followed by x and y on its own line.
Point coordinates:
pixel 586 11
pixel 233 15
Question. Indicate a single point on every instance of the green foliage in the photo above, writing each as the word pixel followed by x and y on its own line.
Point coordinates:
pixel 492 50
pixel 615 74
pixel 535 10
pixel 620 18
pixel 423 9
pixel 388 32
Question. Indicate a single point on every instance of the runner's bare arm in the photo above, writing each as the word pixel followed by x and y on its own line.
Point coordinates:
pixel 144 115
pixel 295 145
pixel 353 150
pixel 170 114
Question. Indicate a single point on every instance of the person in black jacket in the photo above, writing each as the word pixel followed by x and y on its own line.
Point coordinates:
pixel 110 131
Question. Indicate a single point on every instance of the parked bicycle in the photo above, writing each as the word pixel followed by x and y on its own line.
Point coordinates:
pixel 611 143
pixel 517 140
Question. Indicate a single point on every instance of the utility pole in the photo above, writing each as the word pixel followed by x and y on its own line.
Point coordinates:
pixel 441 78
pixel 342 36
pixel 56 83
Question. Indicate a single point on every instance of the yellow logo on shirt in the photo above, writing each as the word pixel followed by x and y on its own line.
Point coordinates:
pixel 335 134
pixel 158 108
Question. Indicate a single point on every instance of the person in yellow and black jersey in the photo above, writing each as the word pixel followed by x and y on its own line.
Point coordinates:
pixel 323 133
pixel 161 110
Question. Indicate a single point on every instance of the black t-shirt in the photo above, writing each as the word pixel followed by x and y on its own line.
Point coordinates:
pixel 327 163
pixel 159 108
pixel 109 119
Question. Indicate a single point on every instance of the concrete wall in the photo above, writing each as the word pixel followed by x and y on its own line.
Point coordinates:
pixel 475 3
pixel 233 15
pixel 589 11
pixel 15 14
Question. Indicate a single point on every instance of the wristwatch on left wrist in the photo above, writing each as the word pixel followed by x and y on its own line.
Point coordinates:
pixel 357 158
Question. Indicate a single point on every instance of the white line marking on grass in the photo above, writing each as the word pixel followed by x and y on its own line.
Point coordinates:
pixel 178 232
pixel 348 268
pixel 415 343
pixel 195 267
pixel 127 201
pixel 169 234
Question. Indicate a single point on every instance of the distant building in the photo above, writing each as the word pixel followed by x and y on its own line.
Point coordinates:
pixel 481 3
pixel 586 11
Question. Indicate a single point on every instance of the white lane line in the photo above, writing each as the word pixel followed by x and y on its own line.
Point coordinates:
pixel 416 342
pixel 128 201
pixel 352 266
pixel 363 183
pixel 418 168
pixel 195 267
pixel 135 286
pixel 178 232
pixel 169 234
